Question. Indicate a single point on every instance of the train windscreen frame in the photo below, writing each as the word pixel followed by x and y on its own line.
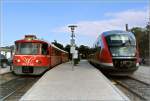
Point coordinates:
pixel 120 40
pixel 121 45
pixel 27 48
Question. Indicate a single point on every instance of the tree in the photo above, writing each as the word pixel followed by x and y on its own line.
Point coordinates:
pixel 84 51
pixel 58 45
pixel 142 38
pixel 67 48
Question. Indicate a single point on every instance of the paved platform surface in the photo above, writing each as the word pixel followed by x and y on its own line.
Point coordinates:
pixel 84 83
pixel 143 74
pixel 4 70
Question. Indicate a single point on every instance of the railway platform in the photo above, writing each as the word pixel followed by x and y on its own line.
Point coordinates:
pixel 83 83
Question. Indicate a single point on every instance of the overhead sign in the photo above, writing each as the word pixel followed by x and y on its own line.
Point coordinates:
pixel 72 49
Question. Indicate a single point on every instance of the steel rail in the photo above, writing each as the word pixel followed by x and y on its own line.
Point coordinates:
pixel 18 84
pixel 139 80
pixel 137 92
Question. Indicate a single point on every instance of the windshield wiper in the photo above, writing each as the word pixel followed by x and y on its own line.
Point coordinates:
pixel 128 41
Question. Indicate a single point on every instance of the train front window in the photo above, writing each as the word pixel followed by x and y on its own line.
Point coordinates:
pixel 120 40
pixel 121 45
pixel 27 48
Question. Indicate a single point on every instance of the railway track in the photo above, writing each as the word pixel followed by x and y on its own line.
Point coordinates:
pixel 137 87
pixel 10 88
pixel 7 77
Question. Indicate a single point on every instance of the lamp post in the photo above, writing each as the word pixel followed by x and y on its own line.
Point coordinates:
pixel 72 27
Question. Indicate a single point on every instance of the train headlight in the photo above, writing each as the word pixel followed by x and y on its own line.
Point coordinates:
pixel 38 61
pixel 18 60
pixel 133 54
pixel 114 54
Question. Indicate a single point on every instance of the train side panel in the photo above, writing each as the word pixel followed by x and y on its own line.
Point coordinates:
pixel 55 56
pixel 65 57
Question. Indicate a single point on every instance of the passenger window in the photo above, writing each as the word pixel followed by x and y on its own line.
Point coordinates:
pixel 45 49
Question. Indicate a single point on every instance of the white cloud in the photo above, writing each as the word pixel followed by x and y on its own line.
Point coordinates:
pixel 114 21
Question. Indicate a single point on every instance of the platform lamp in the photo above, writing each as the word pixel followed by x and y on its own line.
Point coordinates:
pixel 72 49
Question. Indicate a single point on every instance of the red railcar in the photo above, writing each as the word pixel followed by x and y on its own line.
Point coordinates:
pixel 65 56
pixel 34 56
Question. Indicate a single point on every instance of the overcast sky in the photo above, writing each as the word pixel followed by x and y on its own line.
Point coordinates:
pixel 48 19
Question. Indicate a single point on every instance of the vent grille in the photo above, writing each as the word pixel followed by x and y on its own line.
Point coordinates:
pixel 124 64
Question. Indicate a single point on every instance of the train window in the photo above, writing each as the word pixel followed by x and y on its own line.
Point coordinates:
pixel 121 45
pixel 122 39
pixel 133 41
pixel 27 48
pixel 16 47
pixel 45 49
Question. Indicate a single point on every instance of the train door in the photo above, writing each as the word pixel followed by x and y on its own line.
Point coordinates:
pixel 45 51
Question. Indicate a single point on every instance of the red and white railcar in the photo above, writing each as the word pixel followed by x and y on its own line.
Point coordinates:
pixel 34 56
pixel 115 52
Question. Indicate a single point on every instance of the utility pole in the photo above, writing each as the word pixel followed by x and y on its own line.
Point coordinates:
pixel 127 29
pixel 72 49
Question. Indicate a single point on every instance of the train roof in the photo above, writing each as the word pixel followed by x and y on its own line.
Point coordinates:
pixel 58 48
pixel 34 39
pixel 31 38
pixel 116 32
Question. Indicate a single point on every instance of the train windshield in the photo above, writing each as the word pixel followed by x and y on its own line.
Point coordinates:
pixel 120 40
pixel 27 48
pixel 122 45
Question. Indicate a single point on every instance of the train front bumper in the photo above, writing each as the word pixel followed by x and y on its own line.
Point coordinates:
pixel 113 70
pixel 29 70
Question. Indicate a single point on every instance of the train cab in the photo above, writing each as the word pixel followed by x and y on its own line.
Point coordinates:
pixel 115 52
pixel 32 56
